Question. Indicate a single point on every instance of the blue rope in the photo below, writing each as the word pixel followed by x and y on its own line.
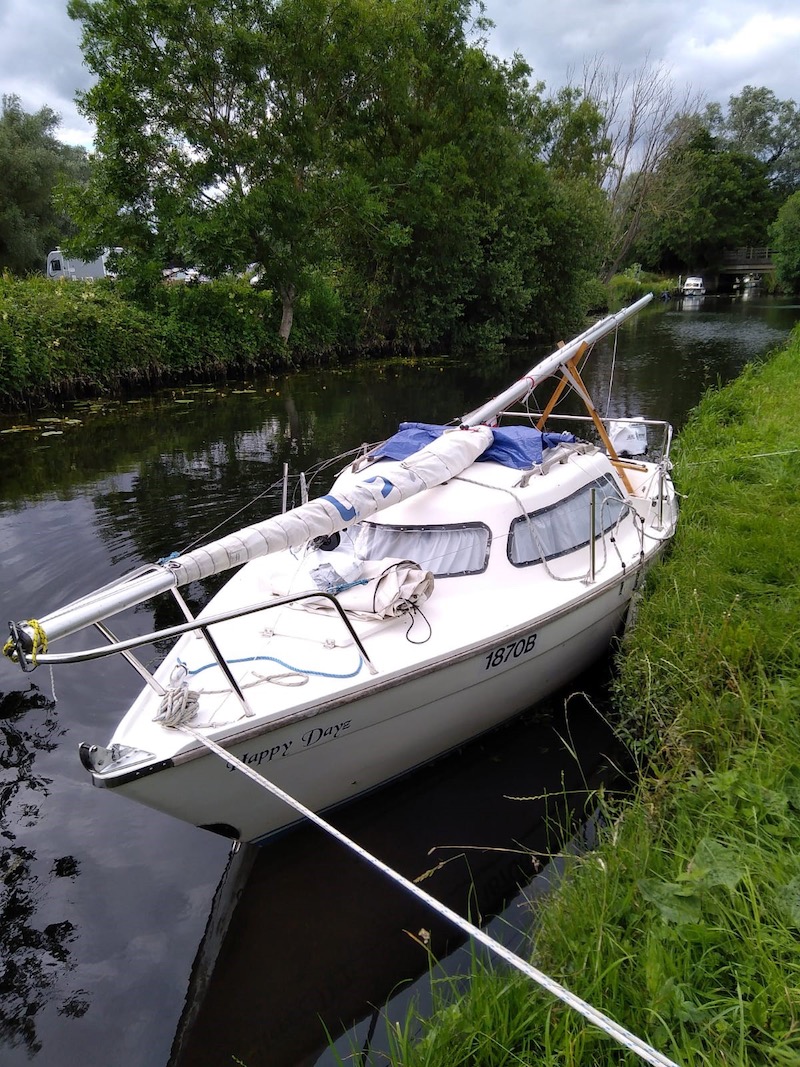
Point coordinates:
pixel 281 663
pixel 348 585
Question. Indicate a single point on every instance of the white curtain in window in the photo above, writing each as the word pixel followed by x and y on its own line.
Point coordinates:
pixel 443 550
pixel 566 526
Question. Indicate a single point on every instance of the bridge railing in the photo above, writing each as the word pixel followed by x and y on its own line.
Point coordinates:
pixel 751 255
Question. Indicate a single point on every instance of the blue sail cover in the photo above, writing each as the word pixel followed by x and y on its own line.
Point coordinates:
pixel 514 446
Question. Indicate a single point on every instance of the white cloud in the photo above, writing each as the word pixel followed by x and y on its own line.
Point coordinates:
pixel 760 40
pixel 716 46
pixel 42 64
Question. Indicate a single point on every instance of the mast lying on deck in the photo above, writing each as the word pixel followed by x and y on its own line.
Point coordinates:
pixel 433 465
pixel 439 462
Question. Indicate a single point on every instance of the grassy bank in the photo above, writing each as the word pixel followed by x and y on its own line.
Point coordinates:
pixel 684 925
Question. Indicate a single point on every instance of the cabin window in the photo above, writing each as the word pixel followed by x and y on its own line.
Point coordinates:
pixel 564 526
pixel 447 551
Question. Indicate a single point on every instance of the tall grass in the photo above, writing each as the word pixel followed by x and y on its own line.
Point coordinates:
pixel 684 924
pixel 633 283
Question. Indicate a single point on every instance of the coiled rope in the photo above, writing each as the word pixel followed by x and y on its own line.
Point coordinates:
pixel 180 703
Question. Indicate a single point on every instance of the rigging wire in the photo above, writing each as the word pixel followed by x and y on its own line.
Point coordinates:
pixel 611 375
pixel 312 473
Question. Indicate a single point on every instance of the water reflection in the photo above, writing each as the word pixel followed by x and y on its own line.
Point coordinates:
pixel 317 935
pixel 114 484
pixel 36 956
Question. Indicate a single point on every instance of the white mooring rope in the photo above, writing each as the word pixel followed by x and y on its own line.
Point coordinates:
pixel 603 1022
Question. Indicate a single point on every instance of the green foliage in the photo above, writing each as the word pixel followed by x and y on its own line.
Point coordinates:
pixel 760 125
pixel 708 197
pixel 785 236
pixel 32 163
pixel 595 295
pixel 74 336
pixel 633 283
pixel 371 141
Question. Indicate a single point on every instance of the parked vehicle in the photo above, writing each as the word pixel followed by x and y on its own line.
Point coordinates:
pixel 183 275
pixel 60 266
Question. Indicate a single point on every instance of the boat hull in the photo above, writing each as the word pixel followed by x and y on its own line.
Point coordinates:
pixel 351 746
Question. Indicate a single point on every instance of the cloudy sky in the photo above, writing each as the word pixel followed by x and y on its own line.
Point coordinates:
pixel 714 46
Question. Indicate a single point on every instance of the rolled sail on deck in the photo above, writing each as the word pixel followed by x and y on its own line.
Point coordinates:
pixel 381 486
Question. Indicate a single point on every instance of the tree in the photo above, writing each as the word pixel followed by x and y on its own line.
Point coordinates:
pixel 785 236
pixel 32 163
pixel 758 124
pixel 234 131
pixel 216 130
pixel 467 197
pixel 372 141
pixel 644 117
pixel 706 196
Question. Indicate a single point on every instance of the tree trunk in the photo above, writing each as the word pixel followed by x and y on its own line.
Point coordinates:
pixel 288 295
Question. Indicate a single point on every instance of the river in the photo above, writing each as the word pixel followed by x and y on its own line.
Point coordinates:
pixel 119 940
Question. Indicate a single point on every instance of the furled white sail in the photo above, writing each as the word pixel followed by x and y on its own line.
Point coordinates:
pixel 379 487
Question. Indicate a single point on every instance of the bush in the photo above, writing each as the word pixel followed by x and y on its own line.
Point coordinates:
pixel 63 337
pixel 633 283
pixel 218 326
pixel 321 323
pixel 594 295
pixel 785 236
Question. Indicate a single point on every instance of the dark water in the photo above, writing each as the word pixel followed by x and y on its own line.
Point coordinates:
pixel 119 942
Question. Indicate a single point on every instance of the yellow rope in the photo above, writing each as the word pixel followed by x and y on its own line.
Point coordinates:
pixel 39 642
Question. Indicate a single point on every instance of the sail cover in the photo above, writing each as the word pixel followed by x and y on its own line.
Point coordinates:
pixel 520 447
pixel 435 461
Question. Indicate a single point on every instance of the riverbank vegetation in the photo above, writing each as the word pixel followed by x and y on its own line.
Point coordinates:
pixel 62 338
pixel 387 183
pixel 683 923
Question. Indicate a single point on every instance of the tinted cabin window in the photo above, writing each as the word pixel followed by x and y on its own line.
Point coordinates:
pixel 446 551
pixel 562 528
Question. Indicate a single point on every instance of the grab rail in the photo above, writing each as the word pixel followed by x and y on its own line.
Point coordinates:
pixel 666 427
pixel 120 647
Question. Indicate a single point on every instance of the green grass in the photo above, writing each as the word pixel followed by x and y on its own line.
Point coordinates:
pixel 684 924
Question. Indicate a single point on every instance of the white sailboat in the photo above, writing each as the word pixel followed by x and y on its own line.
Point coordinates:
pixel 449 579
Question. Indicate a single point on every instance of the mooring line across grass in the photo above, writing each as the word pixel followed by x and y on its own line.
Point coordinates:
pixel 684 923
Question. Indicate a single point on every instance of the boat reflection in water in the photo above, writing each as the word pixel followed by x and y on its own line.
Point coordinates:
pixel 690 302
pixel 305 937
